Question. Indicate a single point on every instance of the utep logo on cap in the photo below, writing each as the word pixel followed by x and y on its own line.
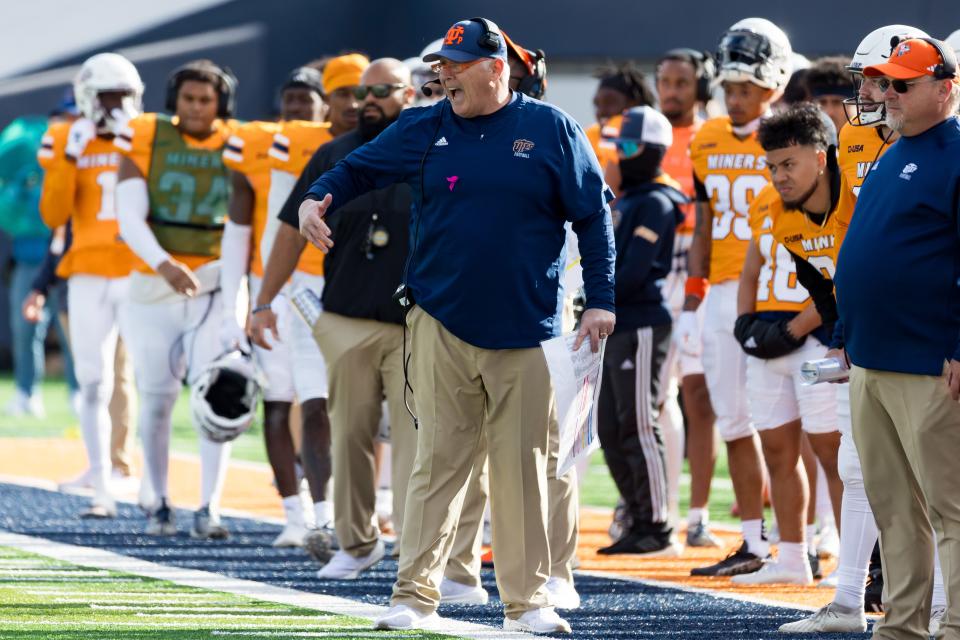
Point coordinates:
pixel 904 48
pixel 521 147
pixel 454 35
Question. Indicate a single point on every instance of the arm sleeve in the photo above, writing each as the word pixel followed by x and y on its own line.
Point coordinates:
pixel 132 208
pixel 649 225
pixel 585 197
pixel 819 287
pixel 234 259
pixel 375 165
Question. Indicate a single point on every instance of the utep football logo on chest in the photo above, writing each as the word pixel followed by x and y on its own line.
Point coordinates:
pixel 907 172
pixel 521 148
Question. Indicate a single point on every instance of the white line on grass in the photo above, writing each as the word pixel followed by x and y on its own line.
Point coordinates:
pixel 101 559
pixel 174 608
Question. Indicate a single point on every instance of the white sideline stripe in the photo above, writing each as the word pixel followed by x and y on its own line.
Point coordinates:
pixel 102 559
pixel 679 587
pixel 144 624
pixel 42 573
pixel 135 604
pixel 59 580
pixel 185 609
pixel 240 616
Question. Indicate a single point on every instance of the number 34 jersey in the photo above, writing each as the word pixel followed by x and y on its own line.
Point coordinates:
pixel 729 172
pixel 187 182
pixel 83 191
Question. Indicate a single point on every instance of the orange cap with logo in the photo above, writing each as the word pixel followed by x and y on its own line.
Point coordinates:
pixel 344 71
pixel 914 58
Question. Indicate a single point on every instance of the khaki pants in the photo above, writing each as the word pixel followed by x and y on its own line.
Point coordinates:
pixel 907 430
pixel 465 394
pixel 121 409
pixel 364 364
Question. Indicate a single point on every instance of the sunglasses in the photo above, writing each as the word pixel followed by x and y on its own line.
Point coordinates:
pixel 900 86
pixel 378 90
pixel 454 67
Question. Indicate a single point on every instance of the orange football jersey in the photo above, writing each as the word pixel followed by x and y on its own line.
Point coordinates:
pixel 777 287
pixel 733 171
pixel 83 191
pixel 293 145
pixel 135 141
pixel 247 153
pixel 679 166
pixel 859 148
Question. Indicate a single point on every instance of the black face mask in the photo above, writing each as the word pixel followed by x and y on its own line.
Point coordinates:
pixel 371 129
pixel 643 168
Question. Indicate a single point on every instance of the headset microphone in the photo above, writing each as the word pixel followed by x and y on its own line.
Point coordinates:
pixel 429 90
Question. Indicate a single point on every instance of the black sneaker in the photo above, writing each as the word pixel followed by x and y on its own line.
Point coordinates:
pixel 639 544
pixel 738 562
pixel 621 521
pixel 815 565
pixel 873 594
pixel 321 544
pixel 207 526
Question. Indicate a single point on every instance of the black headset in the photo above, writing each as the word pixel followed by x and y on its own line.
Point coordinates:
pixel 947 70
pixel 703 65
pixel 535 83
pixel 490 39
pixel 226 88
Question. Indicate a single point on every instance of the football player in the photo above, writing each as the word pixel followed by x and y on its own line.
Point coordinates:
pixel 172 196
pixel 780 330
pixel 684 77
pixel 831 87
pixel 80 165
pixel 294 144
pixel 247 155
pixel 730 170
pixel 861 143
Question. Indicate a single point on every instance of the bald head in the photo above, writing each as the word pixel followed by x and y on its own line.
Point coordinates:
pixel 386 71
pixel 389 78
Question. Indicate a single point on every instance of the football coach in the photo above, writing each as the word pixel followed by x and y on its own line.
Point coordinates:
pixel 495 175
pixel 898 294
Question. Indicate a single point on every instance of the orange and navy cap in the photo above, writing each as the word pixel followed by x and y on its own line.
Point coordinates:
pixel 469 40
pixel 344 71
pixel 914 58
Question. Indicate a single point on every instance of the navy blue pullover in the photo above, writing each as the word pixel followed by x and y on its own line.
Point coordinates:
pixel 645 222
pixel 897 274
pixel 489 205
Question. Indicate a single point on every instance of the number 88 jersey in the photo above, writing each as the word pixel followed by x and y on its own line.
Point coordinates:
pixel 729 173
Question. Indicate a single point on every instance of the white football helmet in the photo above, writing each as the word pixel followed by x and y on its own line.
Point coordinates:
pixel 422 75
pixel 875 49
pixel 108 72
pixel 224 397
pixel 755 50
pixel 954 41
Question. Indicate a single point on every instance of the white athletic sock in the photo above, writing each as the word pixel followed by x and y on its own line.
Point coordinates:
pixel 792 556
pixel 671 428
pixel 753 534
pixel 698 515
pixel 213 472
pixel 293 508
pixel 155 426
pixel 824 507
pixel 939 594
pixel 858 535
pixel 95 427
pixel 323 512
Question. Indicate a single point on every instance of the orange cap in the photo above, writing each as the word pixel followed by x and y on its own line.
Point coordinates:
pixel 910 59
pixel 344 71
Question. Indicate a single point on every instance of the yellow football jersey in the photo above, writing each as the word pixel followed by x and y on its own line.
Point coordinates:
pixel 83 191
pixel 135 141
pixel 859 148
pixel 732 171
pixel 293 145
pixel 247 153
pixel 777 288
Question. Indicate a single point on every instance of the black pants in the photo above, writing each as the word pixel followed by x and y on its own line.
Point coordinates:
pixel 628 424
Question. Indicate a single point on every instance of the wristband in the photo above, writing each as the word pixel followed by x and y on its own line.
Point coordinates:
pixel 260 307
pixel 697 287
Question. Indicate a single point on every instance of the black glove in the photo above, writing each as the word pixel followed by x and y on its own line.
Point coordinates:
pixel 764 338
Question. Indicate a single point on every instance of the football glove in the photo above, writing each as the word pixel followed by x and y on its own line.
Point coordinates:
pixel 764 338
pixel 82 131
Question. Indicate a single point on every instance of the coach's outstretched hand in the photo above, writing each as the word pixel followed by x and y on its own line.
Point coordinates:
pixel 312 226
pixel 595 324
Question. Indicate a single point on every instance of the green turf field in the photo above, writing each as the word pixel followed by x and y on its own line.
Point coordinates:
pixel 598 490
pixel 45 599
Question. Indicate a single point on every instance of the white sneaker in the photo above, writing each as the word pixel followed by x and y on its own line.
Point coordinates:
pixel 83 482
pixel 936 615
pixel 35 406
pixel 102 506
pixel 829 619
pixel 123 484
pixel 775 573
pixel 830 582
pixel 291 536
pixel 403 617
pixel 543 620
pixel 452 592
pixel 828 542
pixel 23 405
pixel 343 566
pixel 563 595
